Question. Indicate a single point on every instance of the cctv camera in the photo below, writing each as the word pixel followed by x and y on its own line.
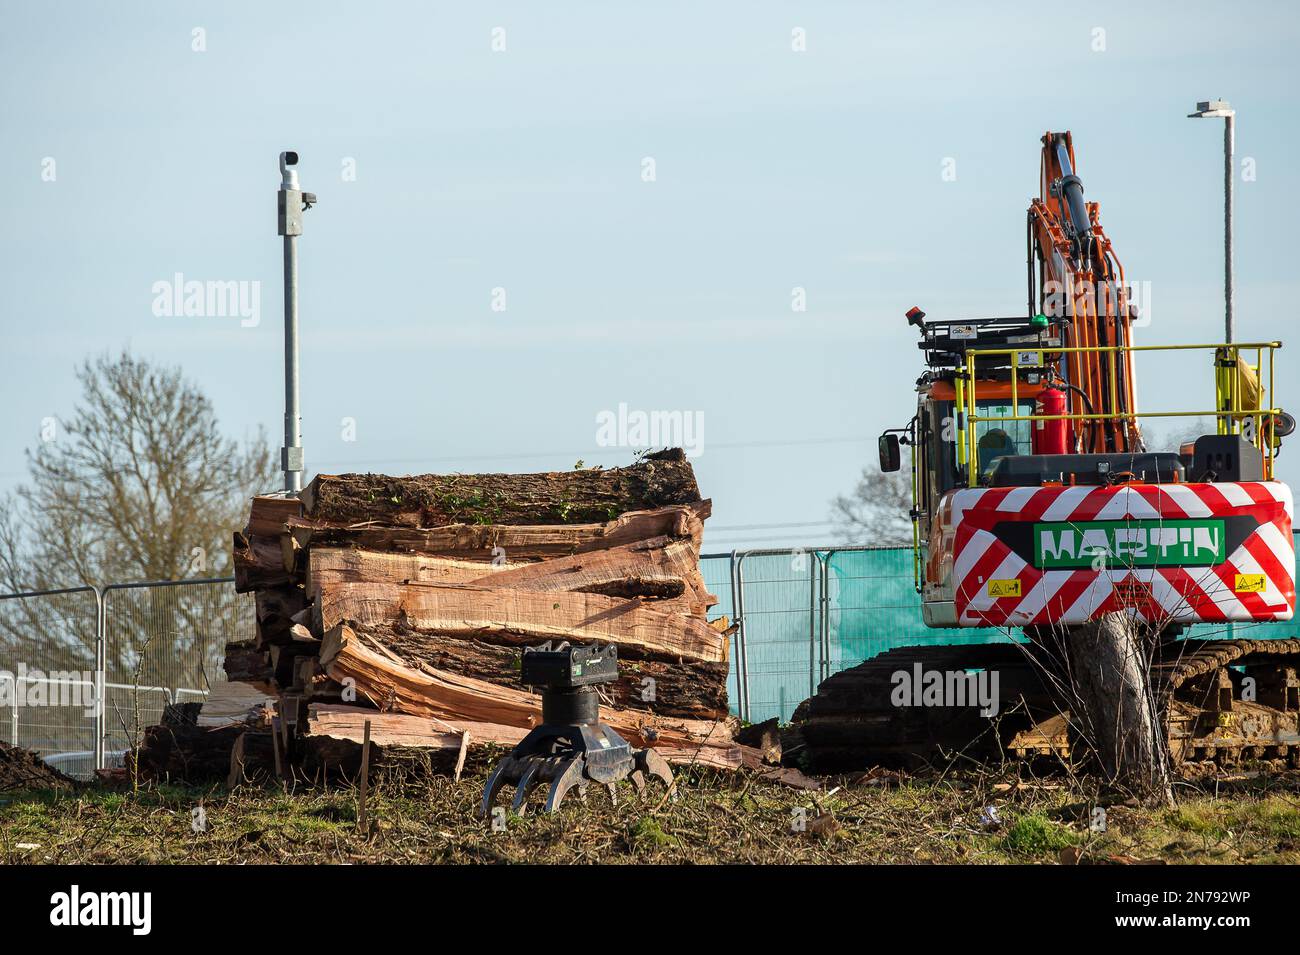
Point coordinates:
pixel 288 175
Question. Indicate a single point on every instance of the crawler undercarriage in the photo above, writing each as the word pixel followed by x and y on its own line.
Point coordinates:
pixel 1222 703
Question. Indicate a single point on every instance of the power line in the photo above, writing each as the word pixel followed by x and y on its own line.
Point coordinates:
pixel 768 527
pixel 784 538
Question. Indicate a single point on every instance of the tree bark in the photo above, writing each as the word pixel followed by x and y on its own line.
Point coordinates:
pixel 1114 705
pixel 246 663
pixel 515 542
pixel 561 497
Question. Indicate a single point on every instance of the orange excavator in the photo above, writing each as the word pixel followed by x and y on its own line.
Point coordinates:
pixel 1040 512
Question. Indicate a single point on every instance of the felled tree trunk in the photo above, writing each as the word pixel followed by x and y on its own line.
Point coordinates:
pixel 690 689
pixel 580 496
pixel 384 680
pixel 501 542
pixel 335 736
pixel 519 617
pixel 1115 707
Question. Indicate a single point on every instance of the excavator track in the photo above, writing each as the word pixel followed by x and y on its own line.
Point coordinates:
pixel 1224 703
pixel 852 721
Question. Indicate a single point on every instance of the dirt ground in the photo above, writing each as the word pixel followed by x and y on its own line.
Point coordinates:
pixel 22 770
pixel 952 817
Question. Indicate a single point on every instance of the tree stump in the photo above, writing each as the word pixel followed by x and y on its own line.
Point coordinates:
pixel 1115 708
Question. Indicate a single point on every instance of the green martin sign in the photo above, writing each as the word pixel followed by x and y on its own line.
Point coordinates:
pixel 1135 543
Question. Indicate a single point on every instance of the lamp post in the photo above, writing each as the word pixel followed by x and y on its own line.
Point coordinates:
pixel 1214 109
pixel 291 202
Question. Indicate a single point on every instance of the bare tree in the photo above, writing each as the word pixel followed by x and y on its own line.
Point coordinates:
pixel 138 484
pixel 877 510
pixel 1178 433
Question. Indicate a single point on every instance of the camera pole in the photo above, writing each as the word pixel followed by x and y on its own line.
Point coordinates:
pixel 291 202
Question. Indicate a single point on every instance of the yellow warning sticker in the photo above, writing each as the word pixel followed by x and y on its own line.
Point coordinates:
pixel 1004 588
pixel 1249 584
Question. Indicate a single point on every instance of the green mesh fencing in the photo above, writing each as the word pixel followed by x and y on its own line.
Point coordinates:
pixel 807 614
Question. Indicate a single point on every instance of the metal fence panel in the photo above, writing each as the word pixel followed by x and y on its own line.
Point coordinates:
pixel 716 570
pixel 777 597
pixel 48 674
pixel 163 643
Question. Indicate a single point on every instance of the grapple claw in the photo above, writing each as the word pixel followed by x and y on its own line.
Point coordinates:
pixel 496 782
pixel 571 747
pixel 568 777
pixel 523 789
pixel 651 763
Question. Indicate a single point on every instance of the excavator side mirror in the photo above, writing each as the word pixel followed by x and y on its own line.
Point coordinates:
pixel 891 458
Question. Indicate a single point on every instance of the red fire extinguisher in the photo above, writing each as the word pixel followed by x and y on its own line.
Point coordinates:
pixel 1051 437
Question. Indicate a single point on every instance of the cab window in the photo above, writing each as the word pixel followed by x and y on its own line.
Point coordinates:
pixel 1002 435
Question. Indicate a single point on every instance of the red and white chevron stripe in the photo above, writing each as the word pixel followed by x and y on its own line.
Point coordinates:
pixel 1153 594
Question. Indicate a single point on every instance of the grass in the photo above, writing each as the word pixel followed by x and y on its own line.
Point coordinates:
pixel 1035 835
pixel 717 818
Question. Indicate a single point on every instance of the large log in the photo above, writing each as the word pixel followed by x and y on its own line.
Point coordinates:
pixel 346 565
pixel 335 735
pixel 246 663
pixel 267 515
pixel 386 681
pixel 520 617
pixel 662 568
pixel 561 497
pixel 733 757
pixel 236 703
pixel 687 689
pixel 487 542
pixel 186 747
pixel 275 608
pixel 258 562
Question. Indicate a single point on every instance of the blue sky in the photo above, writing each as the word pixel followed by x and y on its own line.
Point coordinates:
pixel 522 170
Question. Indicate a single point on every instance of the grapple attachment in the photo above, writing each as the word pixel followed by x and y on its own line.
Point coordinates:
pixel 571 748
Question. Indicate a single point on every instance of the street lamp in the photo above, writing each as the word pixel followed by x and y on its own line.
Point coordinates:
pixel 1214 109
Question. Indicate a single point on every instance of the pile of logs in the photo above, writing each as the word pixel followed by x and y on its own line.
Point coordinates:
pixel 406 603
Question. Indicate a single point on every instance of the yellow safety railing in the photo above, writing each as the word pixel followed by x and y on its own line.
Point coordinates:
pixel 1243 393
pixel 916 524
